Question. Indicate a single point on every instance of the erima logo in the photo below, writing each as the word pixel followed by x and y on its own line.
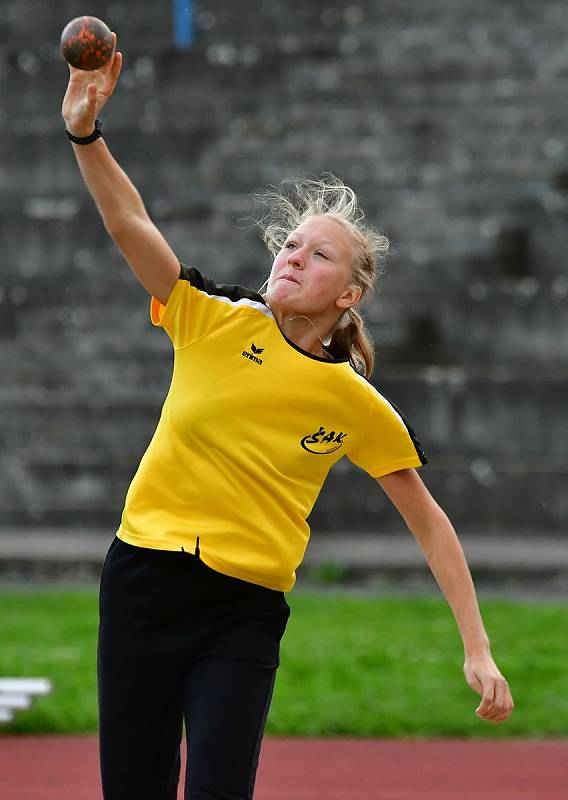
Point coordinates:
pixel 320 442
pixel 255 353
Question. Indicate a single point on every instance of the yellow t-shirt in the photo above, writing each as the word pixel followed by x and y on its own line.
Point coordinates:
pixel 248 432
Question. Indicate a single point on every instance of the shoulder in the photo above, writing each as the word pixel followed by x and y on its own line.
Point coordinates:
pixel 374 397
pixel 231 292
pixel 361 384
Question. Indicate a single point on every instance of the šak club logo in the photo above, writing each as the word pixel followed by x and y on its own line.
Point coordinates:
pixel 321 442
pixel 254 356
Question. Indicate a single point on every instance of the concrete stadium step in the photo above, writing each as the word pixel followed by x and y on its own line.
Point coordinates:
pixel 487 261
pixel 406 201
pixel 72 555
pixel 486 321
pixel 519 494
pixel 477 493
pixel 455 410
pixel 323 33
pixel 62 240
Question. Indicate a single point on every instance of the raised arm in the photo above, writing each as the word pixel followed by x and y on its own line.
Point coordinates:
pixel 120 204
pixel 439 542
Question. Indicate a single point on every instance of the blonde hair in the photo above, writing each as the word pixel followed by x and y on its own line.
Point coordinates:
pixel 296 199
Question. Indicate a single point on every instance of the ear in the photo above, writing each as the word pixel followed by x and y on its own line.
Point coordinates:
pixel 350 297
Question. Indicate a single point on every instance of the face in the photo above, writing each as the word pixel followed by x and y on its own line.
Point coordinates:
pixel 312 273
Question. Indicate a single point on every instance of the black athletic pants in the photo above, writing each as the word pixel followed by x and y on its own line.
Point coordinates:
pixel 180 641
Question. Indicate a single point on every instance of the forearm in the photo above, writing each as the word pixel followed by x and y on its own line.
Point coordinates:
pixel 440 544
pixel 115 195
pixel 437 538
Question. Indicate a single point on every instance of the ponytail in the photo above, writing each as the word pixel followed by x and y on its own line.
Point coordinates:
pixel 350 336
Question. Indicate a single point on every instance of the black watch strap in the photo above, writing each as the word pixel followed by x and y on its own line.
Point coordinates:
pixel 87 139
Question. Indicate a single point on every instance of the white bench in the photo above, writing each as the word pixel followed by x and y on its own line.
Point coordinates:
pixel 17 693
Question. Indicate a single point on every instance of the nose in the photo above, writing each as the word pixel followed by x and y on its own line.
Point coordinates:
pixel 296 258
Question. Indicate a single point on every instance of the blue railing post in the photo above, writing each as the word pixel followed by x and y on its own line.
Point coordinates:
pixel 183 23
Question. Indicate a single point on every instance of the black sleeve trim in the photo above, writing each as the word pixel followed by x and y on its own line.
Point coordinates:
pixel 417 446
pixel 205 284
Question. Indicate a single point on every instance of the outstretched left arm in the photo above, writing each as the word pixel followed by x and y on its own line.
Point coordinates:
pixel 436 536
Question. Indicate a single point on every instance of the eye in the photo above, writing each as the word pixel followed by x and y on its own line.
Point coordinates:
pixel 288 245
pixel 323 255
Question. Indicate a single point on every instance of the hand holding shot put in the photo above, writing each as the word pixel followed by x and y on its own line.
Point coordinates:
pixel 88 91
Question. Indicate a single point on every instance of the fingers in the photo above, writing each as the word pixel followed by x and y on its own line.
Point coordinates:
pixel 503 703
pixel 484 677
pixel 115 64
pixel 475 683
pixel 115 68
pixel 497 703
pixel 92 97
pixel 484 708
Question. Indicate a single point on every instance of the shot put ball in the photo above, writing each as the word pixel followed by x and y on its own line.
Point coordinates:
pixel 86 43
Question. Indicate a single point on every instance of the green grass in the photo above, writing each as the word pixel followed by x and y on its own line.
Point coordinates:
pixel 350 665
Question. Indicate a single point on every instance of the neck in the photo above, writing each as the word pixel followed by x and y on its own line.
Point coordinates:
pixel 303 331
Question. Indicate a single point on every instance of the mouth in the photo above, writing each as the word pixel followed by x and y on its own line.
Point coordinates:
pixel 289 278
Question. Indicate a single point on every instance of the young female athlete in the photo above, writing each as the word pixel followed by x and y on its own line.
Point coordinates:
pixel 268 392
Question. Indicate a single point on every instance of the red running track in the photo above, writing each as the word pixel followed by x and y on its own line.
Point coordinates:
pixel 66 768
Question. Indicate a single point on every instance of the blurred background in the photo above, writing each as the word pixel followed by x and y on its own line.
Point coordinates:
pixel 447 118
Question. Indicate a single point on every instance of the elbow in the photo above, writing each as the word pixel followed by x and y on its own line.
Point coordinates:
pixel 123 221
pixel 118 226
pixel 430 523
pixel 113 225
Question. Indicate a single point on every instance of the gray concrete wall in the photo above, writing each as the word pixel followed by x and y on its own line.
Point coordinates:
pixel 449 118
